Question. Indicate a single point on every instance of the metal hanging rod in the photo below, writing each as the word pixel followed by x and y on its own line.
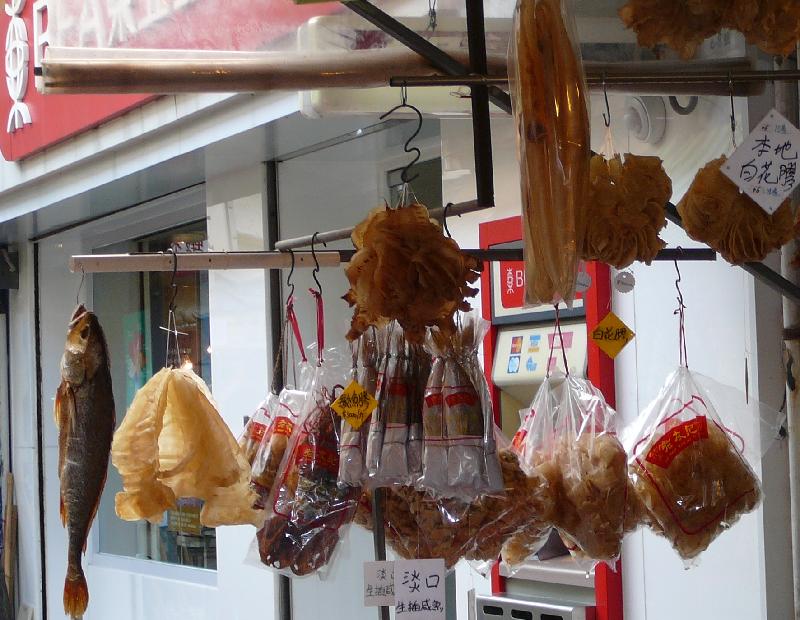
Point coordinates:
pixel 213 261
pixel 629 78
pixel 344 233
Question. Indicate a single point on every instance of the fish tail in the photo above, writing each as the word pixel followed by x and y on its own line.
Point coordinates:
pixel 76 594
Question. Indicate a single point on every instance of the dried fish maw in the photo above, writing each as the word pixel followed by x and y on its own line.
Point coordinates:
pixel 134 453
pixel 175 444
pixel 625 211
pixel 715 212
pixel 406 269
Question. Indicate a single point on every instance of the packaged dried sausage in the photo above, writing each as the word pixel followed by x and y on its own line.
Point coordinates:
pixel 687 467
pixel 354 441
pixel 460 459
pixel 257 427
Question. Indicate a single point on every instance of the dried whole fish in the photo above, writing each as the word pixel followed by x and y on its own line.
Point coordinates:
pixel 173 443
pixel 84 412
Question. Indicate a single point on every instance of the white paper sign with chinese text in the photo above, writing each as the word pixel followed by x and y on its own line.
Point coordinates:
pixel 378 584
pixel 765 166
pixel 419 590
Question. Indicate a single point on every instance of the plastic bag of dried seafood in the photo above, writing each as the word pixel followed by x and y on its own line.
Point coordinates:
pixel 548 96
pixel 570 440
pixel 257 426
pixel 460 457
pixel 687 467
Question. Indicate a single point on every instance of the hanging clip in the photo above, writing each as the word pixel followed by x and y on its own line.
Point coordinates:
pixel 407 146
pixel 607 113
pixel 173 354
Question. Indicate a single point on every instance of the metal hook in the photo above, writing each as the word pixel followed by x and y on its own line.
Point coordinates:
pixel 172 283
pixel 733 111
pixel 444 219
pixel 407 146
pixel 80 287
pixel 316 262
pixel 289 282
pixel 607 113
pixel 680 311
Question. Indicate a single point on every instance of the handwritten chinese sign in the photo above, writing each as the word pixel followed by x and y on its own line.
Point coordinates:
pixel 611 335
pixel 765 166
pixel 378 584
pixel 676 440
pixel 354 405
pixel 419 590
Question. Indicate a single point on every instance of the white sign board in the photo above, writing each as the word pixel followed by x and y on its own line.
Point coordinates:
pixel 765 166
pixel 378 584
pixel 419 590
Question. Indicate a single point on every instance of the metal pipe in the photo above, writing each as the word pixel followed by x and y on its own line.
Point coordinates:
pixel 379 537
pixel 113 73
pixel 210 261
pixel 412 40
pixel 344 233
pixel 481 122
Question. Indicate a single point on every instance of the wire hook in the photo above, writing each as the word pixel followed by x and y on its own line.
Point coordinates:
pixel 607 113
pixel 407 146
pixel 681 312
pixel 80 287
pixel 172 284
pixel 289 282
pixel 733 111
pixel 316 262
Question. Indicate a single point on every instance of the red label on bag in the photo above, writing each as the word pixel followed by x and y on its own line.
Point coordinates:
pixel 397 388
pixel 320 458
pixel 676 440
pixel 434 400
pixel 283 426
pixel 461 398
pixel 519 439
pixel 257 431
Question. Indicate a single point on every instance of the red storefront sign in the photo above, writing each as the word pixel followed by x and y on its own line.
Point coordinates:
pixel 512 283
pixel 31 122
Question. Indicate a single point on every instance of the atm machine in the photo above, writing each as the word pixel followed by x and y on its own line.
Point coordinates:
pixel 516 356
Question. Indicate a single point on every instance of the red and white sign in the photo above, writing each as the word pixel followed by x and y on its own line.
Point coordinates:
pixel 512 282
pixel 32 122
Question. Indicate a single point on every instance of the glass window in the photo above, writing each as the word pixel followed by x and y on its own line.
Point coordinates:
pixel 133 308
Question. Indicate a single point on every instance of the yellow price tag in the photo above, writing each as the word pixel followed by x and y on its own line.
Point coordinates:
pixel 354 405
pixel 611 335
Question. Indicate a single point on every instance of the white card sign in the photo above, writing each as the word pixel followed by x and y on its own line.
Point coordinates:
pixel 378 584
pixel 419 590
pixel 765 166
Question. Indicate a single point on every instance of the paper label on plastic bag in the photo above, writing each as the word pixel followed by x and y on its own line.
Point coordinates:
pixel 676 440
pixel 378 584
pixel 257 431
pixel 611 335
pixel 419 587
pixel 282 426
pixel 355 405
pixel 765 166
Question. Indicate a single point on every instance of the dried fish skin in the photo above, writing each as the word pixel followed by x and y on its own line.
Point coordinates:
pixel 173 443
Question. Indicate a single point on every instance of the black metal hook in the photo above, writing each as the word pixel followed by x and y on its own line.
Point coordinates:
pixel 607 113
pixel 80 287
pixel 316 262
pixel 444 219
pixel 289 282
pixel 172 283
pixel 733 111
pixel 407 146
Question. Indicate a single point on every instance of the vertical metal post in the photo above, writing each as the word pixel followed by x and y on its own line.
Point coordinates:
pixel 379 537
pixel 276 327
pixel 481 123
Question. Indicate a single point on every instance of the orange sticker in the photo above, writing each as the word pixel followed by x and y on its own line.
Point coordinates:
pixel 461 398
pixel 676 440
pixel 282 426
pixel 257 431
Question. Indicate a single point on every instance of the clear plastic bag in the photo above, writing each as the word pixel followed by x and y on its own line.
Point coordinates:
pixel 548 95
pixel 460 454
pixel 419 371
pixel 354 441
pixel 257 427
pixel 687 467
pixel 570 439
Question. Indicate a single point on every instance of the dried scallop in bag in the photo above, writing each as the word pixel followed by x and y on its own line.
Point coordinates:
pixel 354 441
pixel 687 467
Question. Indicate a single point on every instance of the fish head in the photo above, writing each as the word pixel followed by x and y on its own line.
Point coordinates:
pixel 85 349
